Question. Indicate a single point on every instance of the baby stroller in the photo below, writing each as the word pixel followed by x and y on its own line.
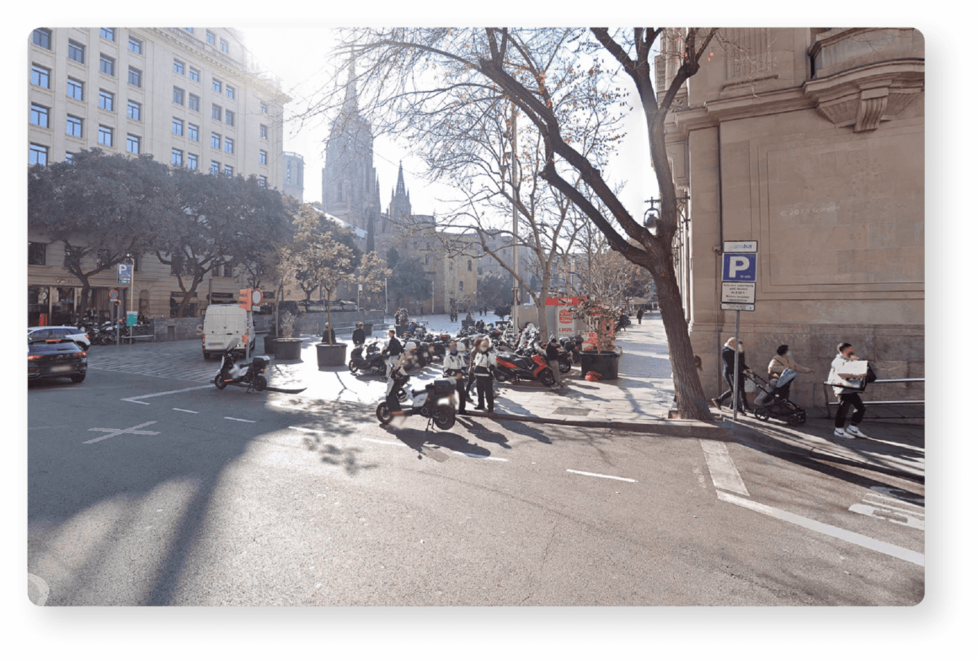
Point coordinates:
pixel 773 401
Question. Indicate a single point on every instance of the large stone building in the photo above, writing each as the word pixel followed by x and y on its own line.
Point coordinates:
pixel 188 96
pixel 810 142
pixel 293 170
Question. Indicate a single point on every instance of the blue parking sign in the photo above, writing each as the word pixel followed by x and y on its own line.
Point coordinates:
pixel 125 273
pixel 739 267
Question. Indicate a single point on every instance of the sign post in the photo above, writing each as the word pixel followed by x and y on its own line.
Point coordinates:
pixel 738 292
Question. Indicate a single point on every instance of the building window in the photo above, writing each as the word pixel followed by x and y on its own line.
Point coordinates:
pixel 177 126
pixel 69 157
pixel 216 112
pixel 76 52
pixel 211 39
pixel 135 77
pixel 106 100
pixel 228 171
pixel 178 67
pixel 216 85
pixel 263 131
pixel 36 253
pixel 263 158
pixel 229 145
pixel 132 144
pixel 228 270
pixel 192 161
pixel 178 96
pixel 470 265
pixel 194 74
pixel 263 181
pixel 73 126
pixel 41 76
pixel 193 102
pixel 264 109
pixel 76 89
pixel 461 285
pixel 190 30
pixel 193 132
pixel 225 47
pixel 215 167
pixel 229 91
pixel 39 115
pixel 134 111
pixel 106 65
pixel 105 136
pixel 229 118
pixel 215 141
pixel 135 45
pixel 176 158
pixel 38 155
pixel 42 38
pixel 107 33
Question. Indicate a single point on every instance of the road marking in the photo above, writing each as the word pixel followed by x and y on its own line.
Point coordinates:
pixel 829 530
pixel 603 476
pixel 235 419
pixel 41 590
pixel 488 458
pixel 115 432
pixel 189 411
pixel 882 507
pixel 135 399
pixel 722 469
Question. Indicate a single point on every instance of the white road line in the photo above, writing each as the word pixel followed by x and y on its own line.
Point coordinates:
pixel 142 403
pixel 722 469
pixel 114 432
pixel 182 410
pixel 603 476
pixel 829 530
pixel 235 419
pixel 135 399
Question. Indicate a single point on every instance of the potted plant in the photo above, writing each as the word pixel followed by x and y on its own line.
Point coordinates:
pixel 287 346
pixel 602 357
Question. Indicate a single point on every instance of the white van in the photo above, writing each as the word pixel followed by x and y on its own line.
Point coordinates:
pixel 222 324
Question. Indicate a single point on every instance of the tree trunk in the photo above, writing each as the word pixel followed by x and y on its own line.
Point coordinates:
pixel 329 313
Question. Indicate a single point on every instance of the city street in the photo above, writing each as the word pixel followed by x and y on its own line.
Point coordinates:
pixel 161 490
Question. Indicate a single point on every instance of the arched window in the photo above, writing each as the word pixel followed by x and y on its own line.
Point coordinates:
pixel 470 265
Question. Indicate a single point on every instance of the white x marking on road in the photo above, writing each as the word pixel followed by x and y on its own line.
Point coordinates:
pixel 115 432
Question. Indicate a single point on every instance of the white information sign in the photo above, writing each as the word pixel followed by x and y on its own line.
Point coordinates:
pixel 740 246
pixel 738 292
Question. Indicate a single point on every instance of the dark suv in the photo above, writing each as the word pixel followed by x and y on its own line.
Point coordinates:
pixel 56 358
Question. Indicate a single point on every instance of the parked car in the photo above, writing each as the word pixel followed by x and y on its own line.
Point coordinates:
pixel 342 306
pixel 72 333
pixel 56 358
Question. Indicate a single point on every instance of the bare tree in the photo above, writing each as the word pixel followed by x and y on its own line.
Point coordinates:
pixel 413 78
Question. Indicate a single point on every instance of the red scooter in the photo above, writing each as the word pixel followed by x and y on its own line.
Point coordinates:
pixel 510 366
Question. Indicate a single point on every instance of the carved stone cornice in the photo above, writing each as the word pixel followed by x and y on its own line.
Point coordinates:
pixel 868 95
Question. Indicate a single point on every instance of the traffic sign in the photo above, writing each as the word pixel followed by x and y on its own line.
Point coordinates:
pixel 739 267
pixel 740 307
pixel 738 292
pixel 125 273
pixel 132 318
pixel 256 297
pixel 113 294
pixel 740 246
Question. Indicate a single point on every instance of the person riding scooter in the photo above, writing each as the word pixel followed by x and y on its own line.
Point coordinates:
pixel 397 377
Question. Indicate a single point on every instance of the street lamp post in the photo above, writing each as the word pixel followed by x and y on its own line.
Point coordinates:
pixel 516 259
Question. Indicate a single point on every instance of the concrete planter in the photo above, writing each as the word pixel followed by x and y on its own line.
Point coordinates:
pixel 288 349
pixel 330 355
pixel 604 362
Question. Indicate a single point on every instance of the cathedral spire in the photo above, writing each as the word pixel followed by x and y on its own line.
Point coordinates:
pixel 400 190
pixel 350 105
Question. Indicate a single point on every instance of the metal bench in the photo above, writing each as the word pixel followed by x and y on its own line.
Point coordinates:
pixel 894 406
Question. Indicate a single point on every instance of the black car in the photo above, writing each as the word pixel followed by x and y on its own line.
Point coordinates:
pixel 56 358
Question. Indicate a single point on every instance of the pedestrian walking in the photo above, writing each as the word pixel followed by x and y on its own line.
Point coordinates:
pixel 455 368
pixel 359 335
pixel 392 352
pixel 843 375
pixel 639 314
pixel 483 376
pixel 553 359
pixel 727 356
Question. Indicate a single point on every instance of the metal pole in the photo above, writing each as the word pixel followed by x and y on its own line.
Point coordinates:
pixel 516 259
pixel 736 374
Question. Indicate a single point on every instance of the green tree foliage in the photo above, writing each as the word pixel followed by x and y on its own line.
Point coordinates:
pixel 496 293
pixel 408 279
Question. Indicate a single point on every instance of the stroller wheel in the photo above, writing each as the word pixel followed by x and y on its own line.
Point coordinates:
pixel 761 413
pixel 797 418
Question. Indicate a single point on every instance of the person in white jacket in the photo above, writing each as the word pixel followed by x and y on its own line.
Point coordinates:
pixel 839 377
pixel 455 367
pixel 483 376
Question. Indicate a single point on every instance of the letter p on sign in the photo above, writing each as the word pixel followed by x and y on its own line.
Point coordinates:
pixel 739 267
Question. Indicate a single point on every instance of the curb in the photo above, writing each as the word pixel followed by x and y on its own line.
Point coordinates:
pixel 680 428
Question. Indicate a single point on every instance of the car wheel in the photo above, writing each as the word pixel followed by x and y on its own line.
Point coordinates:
pixel 77 378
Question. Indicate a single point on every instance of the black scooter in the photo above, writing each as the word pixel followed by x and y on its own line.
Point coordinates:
pixel 250 373
pixel 431 403
pixel 371 363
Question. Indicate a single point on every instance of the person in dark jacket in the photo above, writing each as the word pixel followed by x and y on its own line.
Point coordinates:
pixel 329 337
pixel 727 355
pixel 359 336
pixel 553 355
pixel 639 314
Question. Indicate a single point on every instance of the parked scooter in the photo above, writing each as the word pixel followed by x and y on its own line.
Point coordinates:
pixel 233 372
pixel 433 402
pixel 511 366
pixel 371 363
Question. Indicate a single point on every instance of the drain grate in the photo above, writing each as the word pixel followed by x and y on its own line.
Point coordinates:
pixel 572 411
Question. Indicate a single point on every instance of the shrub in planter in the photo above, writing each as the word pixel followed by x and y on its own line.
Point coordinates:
pixel 288 347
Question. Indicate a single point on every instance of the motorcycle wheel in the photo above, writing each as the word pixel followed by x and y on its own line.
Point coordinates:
pixel 384 415
pixel 547 377
pixel 564 367
pixel 797 418
pixel 219 382
pixel 444 417
pixel 353 367
pixel 260 383
pixel 762 413
pixel 500 376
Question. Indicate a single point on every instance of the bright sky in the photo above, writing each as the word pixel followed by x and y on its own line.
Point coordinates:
pixel 299 57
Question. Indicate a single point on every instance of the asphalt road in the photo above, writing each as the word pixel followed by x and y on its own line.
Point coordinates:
pixel 158 491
